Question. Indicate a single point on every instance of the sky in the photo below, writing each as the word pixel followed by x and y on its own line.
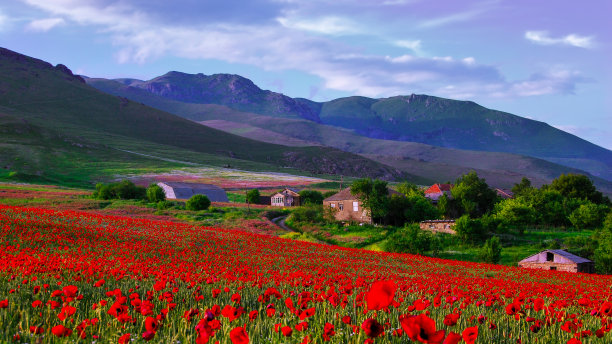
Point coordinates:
pixel 547 60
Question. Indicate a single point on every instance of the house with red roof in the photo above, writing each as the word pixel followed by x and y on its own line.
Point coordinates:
pixel 436 191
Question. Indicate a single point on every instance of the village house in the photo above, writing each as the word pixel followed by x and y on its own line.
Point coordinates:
pixel 178 190
pixel 285 198
pixel 436 191
pixel 348 208
pixel 559 260
pixel 440 226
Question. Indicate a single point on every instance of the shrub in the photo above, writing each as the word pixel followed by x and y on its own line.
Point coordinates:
pixel 311 197
pixel 197 202
pixel 253 196
pixel 310 213
pixel 410 239
pixel 491 251
pixel 470 230
pixel 588 215
pixel 124 189
pixel 155 193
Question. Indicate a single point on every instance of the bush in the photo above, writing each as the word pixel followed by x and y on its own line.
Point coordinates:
pixel 253 196
pixel 155 193
pixel 410 239
pixel 311 197
pixel 122 190
pixel 197 202
pixel 588 215
pixel 310 214
pixel 491 251
pixel 470 230
pixel 603 253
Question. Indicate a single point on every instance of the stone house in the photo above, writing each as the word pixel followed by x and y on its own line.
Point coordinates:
pixel 348 208
pixel 559 260
pixel 436 191
pixel 285 198
pixel 178 190
pixel 441 226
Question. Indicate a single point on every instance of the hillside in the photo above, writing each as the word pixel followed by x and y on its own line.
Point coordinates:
pixel 429 162
pixel 414 118
pixel 48 112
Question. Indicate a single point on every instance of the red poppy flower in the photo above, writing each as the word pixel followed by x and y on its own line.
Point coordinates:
pixel 239 336
pixel 148 335
pixel 61 331
pixel 287 331
pixel 574 341
pixel 452 338
pixel 372 328
pixel 422 328
pixel 70 290
pixel 303 326
pixel 346 319
pixel 606 309
pixel 381 295
pixel 4 303
pixel 125 339
pixel 151 324
pixel 470 334
pixel 451 319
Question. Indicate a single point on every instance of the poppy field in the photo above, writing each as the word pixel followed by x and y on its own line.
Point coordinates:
pixel 70 276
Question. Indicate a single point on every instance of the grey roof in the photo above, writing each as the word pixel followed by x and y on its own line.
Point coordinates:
pixel 572 257
pixel 186 190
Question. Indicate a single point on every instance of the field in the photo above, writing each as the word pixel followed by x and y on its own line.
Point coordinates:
pixel 69 274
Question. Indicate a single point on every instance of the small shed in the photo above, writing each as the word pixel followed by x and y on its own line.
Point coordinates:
pixel 559 260
pixel 285 198
pixel 441 226
pixel 179 190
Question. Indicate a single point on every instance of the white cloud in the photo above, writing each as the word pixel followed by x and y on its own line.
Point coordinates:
pixel 4 22
pixel 412 45
pixel 325 25
pixel 44 25
pixel 542 37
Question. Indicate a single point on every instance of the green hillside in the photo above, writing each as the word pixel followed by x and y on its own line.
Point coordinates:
pixel 415 118
pixel 52 122
pixel 429 163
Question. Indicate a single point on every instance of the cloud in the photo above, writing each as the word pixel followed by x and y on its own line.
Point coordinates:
pixel 273 45
pixel 542 37
pixel 452 18
pixel 44 25
pixel 4 22
pixel 412 45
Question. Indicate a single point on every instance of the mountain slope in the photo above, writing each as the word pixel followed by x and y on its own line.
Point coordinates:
pixel 430 162
pixel 54 100
pixel 415 118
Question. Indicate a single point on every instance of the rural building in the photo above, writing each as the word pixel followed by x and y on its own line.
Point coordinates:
pixel 441 226
pixel 504 194
pixel 559 260
pixel 436 191
pixel 177 190
pixel 348 208
pixel 286 198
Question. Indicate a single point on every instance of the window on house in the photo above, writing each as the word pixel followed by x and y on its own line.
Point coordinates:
pixel 333 205
pixel 553 268
pixel 355 206
pixel 550 257
pixel 340 206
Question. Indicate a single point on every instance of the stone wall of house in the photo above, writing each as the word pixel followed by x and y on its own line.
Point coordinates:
pixel 547 266
pixel 439 227
pixel 344 211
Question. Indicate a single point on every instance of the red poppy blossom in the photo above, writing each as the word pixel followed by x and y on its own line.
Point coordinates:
pixel 239 336
pixel 422 328
pixel 61 331
pixel 372 328
pixel 452 338
pixel 470 334
pixel 151 324
pixel 381 295
pixel 287 331
pixel 125 339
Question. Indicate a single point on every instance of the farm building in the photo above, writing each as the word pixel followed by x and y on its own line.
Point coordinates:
pixel 441 226
pixel 436 191
pixel 285 198
pixel 348 208
pixel 559 260
pixel 176 190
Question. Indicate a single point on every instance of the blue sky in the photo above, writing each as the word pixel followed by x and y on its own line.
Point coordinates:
pixel 546 59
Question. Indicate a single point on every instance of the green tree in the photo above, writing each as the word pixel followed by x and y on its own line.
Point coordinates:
pixel 311 197
pixel 470 230
pixel 515 213
pixel 522 188
pixel 197 202
pixel 410 239
pixel 327 194
pixel 155 193
pixel 588 215
pixel 473 195
pixel 491 251
pixel 253 196
pixel 603 253
pixel 578 186
pixel 124 189
pixel 448 207
pixel 373 195
pixel 408 189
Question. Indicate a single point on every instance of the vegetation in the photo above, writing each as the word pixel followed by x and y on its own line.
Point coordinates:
pixel 197 202
pixel 409 239
pixel 253 196
pixel 155 193
pixel 491 251
pixel 121 190
pixel 311 197
pixel 373 194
